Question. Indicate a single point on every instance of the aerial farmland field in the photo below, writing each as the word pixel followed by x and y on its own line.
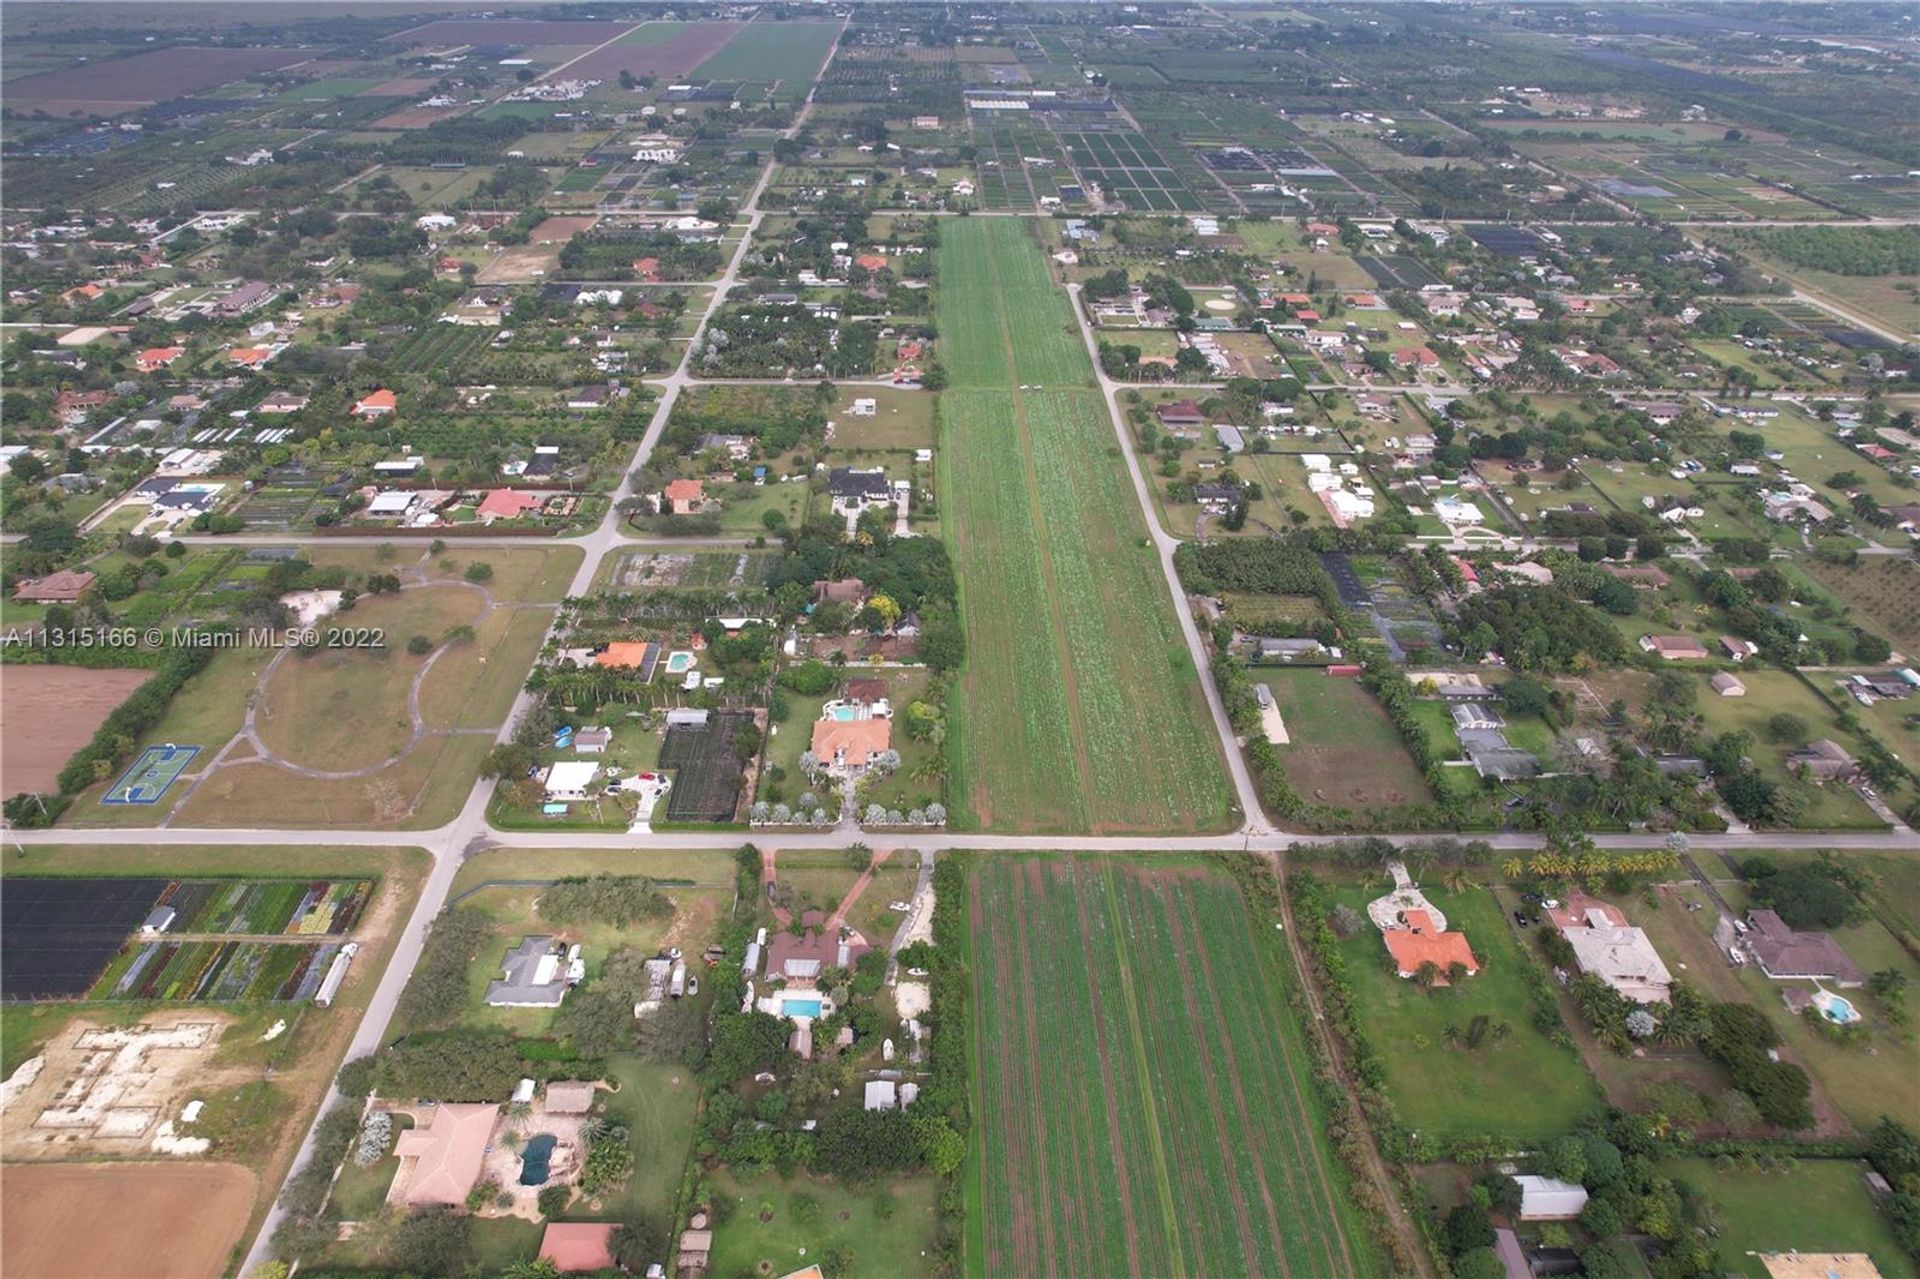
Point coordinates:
pixel 1079 706
pixel 1142 1092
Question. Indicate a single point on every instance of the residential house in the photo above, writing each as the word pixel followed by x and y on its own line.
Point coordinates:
pixel 1824 761
pixel 1674 648
pixel 379 404
pixel 282 402
pixel 1181 415
pixel 1639 576
pixel 847 590
pixel 1786 954
pixel 1738 650
pixel 537 973
pixel 848 747
pixel 1607 947
pixel 683 497
pixel 852 491
pixel 155 358
pixel 1549 1199
pixel 593 741
pixel 578 1245
pixel 798 959
pixel 506 504
pixel 568 780
pixel 1727 685
pixel 585 398
pixel 441 1159
pixel 1416 941
pixel 63 587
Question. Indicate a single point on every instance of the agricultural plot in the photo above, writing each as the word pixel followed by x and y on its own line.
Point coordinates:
pixel 1079 708
pixel 706 770
pixel 439 346
pixel 215 972
pixel 57 934
pixel 787 52
pixel 1017 164
pixel 1345 752
pixel 1142 1093
pixel 1126 167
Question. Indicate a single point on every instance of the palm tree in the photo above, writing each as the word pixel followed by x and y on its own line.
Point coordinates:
pixel 592 1129
pixel 518 1112
pixel 1502 1030
pixel 1455 877
pixel 1450 1034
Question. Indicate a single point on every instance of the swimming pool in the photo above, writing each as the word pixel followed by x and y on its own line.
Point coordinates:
pixel 535 1158
pixel 845 714
pixel 1836 1008
pixel 800 1007
pixel 679 662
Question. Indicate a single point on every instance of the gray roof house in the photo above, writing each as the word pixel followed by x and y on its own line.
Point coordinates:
pixel 537 975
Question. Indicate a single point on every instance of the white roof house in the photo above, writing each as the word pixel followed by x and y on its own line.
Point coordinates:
pixel 1549 1199
pixel 393 502
pixel 1623 958
pixel 570 778
pixel 882 1094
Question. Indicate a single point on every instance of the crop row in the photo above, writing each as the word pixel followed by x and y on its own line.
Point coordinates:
pixel 215 972
pixel 1142 1091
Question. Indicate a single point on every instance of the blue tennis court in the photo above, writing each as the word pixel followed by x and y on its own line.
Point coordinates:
pixel 149 776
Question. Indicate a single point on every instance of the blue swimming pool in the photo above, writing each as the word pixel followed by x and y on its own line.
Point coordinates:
pixel 535 1158
pixel 845 714
pixel 801 1007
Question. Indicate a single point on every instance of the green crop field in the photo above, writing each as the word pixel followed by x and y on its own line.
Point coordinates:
pixel 790 52
pixel 1143 1096
pixel 1079 708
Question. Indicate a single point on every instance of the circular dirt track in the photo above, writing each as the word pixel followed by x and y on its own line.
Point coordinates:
pixel 122 1220
pixel 341 710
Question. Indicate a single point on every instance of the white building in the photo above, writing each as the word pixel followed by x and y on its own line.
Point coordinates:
pixel 568 780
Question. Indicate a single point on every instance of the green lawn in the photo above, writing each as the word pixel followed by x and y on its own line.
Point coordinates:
pixel 790 52
pixel 886 1229
pixel 361 1193
pixel 1770 693
pixel 658 1104
pixel 1818 1206
pixel 1449 1091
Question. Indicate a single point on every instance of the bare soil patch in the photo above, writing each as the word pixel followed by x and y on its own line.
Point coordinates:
pixel 147 77
pixel 526 33
pixel 401 88
pixel 168 1221
pixel 108 1090
pixel 417 117
pixel 538 257
pixel 49 712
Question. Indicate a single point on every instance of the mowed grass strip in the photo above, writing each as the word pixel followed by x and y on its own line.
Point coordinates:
pixel 1080 708
pixel 1143 1093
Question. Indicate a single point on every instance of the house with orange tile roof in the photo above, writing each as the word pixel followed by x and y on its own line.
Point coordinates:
pixel 627 654
pixel 578 1245
pixel 647 270
pixel 871 262
pixel 683 497
pixel 441 1159
pixel 506 504
pixel 849 746
pixel 155 358
pixel 1418 941
pixel 250 357
pixel 378 404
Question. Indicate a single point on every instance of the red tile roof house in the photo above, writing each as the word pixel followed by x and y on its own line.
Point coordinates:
pixel 578 1245
pixel 378 404
pixel 155 358
pixel 64 587
pixel 1417 356
pixel 1181 413
pixel 647 270
pixel 1419 943
pixel 506 504
pixel 1787 955
pixel 849 746
pixel 846 590
pixel 684 497
pixel 441 1159
pixel 798 959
